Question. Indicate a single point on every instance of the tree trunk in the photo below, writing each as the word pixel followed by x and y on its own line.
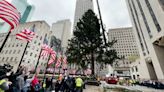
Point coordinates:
pixel 93 63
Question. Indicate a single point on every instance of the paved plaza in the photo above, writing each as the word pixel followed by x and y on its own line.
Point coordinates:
pixel 93 89
pixel 140 88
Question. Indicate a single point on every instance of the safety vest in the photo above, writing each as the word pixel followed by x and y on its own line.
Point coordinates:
pixel 1 82
pixel 79 82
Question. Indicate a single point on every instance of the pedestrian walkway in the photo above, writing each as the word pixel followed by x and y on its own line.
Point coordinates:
pixel 140 88
pixel 93 89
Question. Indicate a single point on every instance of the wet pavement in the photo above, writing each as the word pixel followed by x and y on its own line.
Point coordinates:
pixel 93 89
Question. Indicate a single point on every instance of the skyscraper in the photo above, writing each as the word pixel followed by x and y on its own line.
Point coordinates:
pixel 148 23
pixel 126 43
pixel 126 48
pixel 82 6
pixel 26 10
pixel 62 30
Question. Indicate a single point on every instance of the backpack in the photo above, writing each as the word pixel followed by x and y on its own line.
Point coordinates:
pixel 37 87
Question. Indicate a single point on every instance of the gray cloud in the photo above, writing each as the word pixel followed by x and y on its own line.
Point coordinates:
pixel 53 10
pixel 114 12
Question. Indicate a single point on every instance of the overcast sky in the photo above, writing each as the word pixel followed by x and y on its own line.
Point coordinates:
pixel 114 12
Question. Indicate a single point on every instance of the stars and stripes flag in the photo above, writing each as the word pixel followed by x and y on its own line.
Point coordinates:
pixel 59 60
pixel 52 57
pixel 45 50
pixel 65 60
pixel 26 35
pixel 9 13
pixel 53 53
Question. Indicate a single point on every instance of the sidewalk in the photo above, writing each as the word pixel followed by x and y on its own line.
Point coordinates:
pixel 93 89
pixel 141 88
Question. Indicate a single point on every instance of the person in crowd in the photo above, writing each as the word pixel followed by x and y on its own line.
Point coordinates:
pixel 35 84
pixel 79 84
pixel 62 87
pixel 4 85
pixel 20 82
pixel 27 84
pixel 57 86
pixel 13 78
pixel 74 84
pixel 48 84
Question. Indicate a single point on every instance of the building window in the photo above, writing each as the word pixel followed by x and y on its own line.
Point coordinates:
pixel 30 54
pixel 35 55
pixel 3 59
pixel 21 44
pixel 38 43
pixel 34 42
pixel 7 58
pixel 14 51
pixel 41 38
pixel 13 45
pixel 26 52
pixel 11 58
pixel 6 51
pixel 136 68
pixel 17 45
pixel 132 69
pixel 19 51
pixel 153 15
pixel 16 58
pixel 10 51
pixel 134 77
pixel 37 49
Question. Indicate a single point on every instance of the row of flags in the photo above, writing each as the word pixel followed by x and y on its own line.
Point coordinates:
pixel 9 14
pixel 46 50
pixel 28 35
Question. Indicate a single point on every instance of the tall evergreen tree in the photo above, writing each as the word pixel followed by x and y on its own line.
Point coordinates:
pixel 87 44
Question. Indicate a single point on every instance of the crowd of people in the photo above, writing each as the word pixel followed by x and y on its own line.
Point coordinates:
pixel 21 81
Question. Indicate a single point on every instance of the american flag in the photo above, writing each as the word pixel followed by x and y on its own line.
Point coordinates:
pixel 58 63
pixel 26 35
pixel 45 47
pixel 9 14
pixel 53 54
pixel 45 50
pixel 51 61
pixel 65 60
pixel 52 57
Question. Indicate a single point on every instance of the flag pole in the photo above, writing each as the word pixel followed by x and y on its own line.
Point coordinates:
pixel 60 66
pixel 22 56
pixel 38 61
pixel 4 42
pixel 46 69
pixel 54 68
